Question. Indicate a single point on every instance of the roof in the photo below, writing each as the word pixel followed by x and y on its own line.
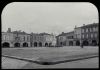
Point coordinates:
pixel 64 34
pixel 44 34
pixel 90 25
pixel 40 34
pixel 24 33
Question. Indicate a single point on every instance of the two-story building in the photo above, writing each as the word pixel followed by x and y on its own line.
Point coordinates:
pixel 90 34
pixel 15 39
pixel 42 39
pixel 65 39
pixel 70 39
pixel 87 34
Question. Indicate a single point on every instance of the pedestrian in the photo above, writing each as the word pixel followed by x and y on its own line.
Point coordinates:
pixel 81 45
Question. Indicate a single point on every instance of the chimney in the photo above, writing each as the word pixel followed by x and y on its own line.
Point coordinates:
pixel 9 30
pixel 62 32
pixel 83 24
pixel 75 26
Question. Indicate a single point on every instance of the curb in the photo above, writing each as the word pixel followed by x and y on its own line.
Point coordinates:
pixel 51 62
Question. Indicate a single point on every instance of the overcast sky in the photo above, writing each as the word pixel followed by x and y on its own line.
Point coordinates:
pixel 52 17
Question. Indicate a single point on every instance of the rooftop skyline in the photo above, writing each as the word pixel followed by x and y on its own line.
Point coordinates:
pixel 49 17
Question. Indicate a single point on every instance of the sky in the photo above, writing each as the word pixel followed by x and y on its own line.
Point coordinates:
pixel 49 17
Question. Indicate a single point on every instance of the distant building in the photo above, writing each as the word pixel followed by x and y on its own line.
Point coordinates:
pixel 77 36
pixel 22 39
pixel 7 39
pixel 90 34
pixel 65 39
pixel 61 39
pixel 87 35
pixel 43 39
pixel 15 39
pixel 70 39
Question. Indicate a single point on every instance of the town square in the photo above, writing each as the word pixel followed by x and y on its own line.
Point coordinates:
pixel 50 35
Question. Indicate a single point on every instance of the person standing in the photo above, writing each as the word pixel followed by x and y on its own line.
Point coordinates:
pixel 81 45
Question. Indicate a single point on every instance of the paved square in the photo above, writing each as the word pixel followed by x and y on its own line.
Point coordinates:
pixel 43 53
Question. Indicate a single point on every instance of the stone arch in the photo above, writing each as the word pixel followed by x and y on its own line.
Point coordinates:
pixel 5 44
pixel 25 44
pixel 77 43
pixel 61 43
pixel 40 44
pixel 94 42
pixel 46 44
pixel 50 44
pixel 35 44
pixel 85 43
pixel 17 44
pixel 70 43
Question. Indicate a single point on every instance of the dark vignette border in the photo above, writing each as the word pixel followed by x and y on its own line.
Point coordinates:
pixel 3 3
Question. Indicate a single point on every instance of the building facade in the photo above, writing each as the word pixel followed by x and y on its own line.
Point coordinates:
pixel 70 39
pixel 7 39
pixel 87 35
pixel 90 34
pixel 65 39
pixel 61 39
pixel 77 36
pixel 42 39
pixel 22 39
pixel 15 39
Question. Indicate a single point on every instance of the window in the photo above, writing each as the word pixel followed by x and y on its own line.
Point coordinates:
pixel 90 29
pixel 87 30
pixel 95 35
pixel 91 35
pixel 27 38
pixel 87 35
pixel 76 36
pixel 23 38
pixel 82 36
pixel 4 37
pixel 94 29
pixel 82 30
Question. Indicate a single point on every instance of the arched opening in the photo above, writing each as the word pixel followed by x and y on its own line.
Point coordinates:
pixel 46 44
pixel 40 44
pixel 85 43
pixel 70 43
pixel 35 44
pixel 17 44
pixel 50 44
pixel 5 44
pixel 25 44
pixel 61 43
pixel 94 42
pixel 77 43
